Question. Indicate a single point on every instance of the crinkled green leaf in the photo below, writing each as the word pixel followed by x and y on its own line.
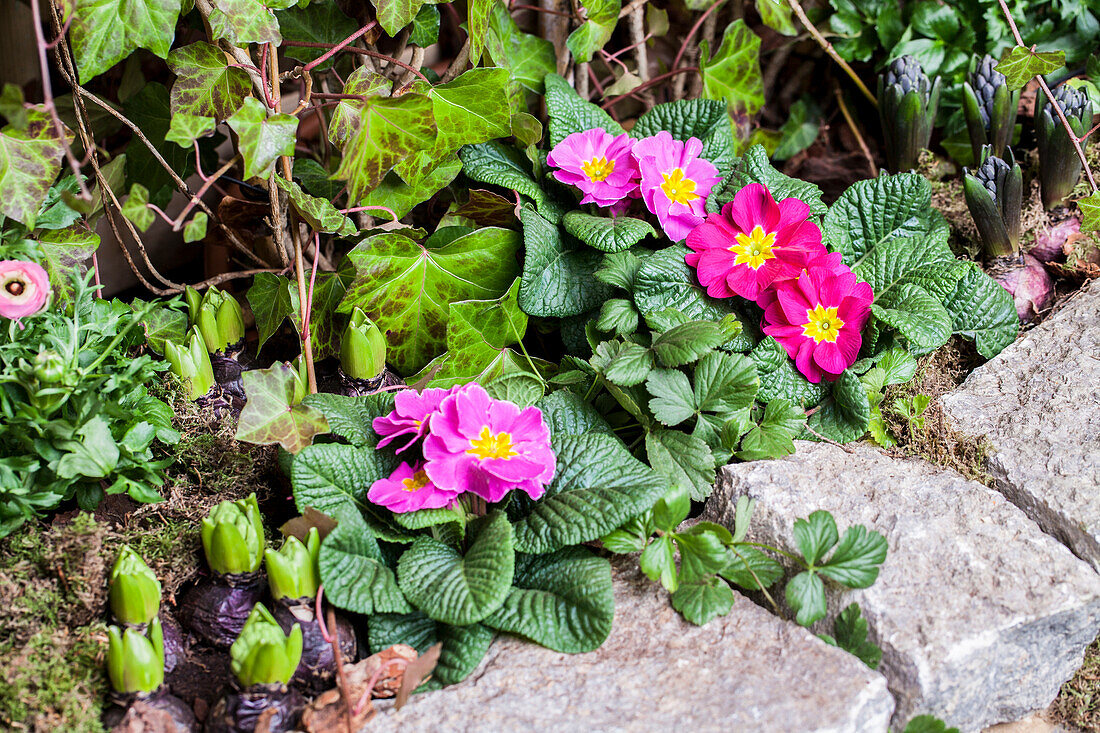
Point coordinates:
pixel 755 167
pixel 269 417
pixel 845 414
pixel 387 130
pixel 206 85
pixel 463 646
pixel 981 310
pixel 104 32
pixel 318 212
pixel 263 138
pixel 780 379
pixel 354 575
pixel 921 320
pixel 317 22
pixel 733 73
pixel 566 413
pixel 242 22
pixel 557 272
pixel 504 166
pixel 605 233
pixel 687 342
pixel 29 162
pixel 352 417
pixel 569 113
pixel 705 119
pixel 601 18
pixel 724 382
pixel 1020 65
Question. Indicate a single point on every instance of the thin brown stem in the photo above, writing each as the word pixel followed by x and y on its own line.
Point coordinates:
pixel 828 48
pixel 537 9
pixel 361 52
pixel 197 196
pixel 642 87
pixel 855 131
pixel 341 678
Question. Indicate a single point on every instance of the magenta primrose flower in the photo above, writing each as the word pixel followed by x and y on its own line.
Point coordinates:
pixel 24 289
pixel 488 447
pixel 408 489
pixel 817 318
pixel 597 163
pixel 409 416
pixel 675 181
pixel 752 243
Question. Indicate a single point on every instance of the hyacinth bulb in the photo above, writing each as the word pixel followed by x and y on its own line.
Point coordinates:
pixel 363 348
pixel 907 105
pixel 135 661
pixel 990 108
pixel 134 593
pixel 292 571
pixel 263 654
pixel 233 537
pixel 994 195
pixel 1059 166
pixel 191 363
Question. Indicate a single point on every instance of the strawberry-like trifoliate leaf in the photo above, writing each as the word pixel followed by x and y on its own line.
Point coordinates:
pixel 269 417
pixel 104 32
pixel 29 161
pixel 206 85
pixel 262 138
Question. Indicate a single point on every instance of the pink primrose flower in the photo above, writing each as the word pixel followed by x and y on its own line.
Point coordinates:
pixel 817 318
pixel 597 163
pixel 409 416
pixel 24 289
pixel 407 489
pixel 488 447
pixel 752 243
pixel 675 181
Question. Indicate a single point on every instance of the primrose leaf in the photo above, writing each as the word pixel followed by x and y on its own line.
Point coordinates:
pixel 569 113
pixel 1020 65
pixel 856 561
pixel 566 413
pixel 269 417
pixel 318 212
pixel 733 73
pixel 527 57
pixel 387 130
pixel 597 487
pixel 241 22
pixel 504 166
pixel 355 577
pixel 262 138
pixel 921 320
pixel 334 478
pixel 206 85
pixel 562 601
pixel 352 417
pixel 186 129
pixel 607 234
pixel 779 378
pixel 460 588
pixel 705 119
pixel 29 162
pixel 104 32
pixel 685 460
pixel 195 229
pixel 404 287
pixel 774 436
pixel 558 276
pixel 981 310
pixel 658 562
pixel 805 595
pixel 602 17
pixel 845 414
pixel 703 601
pixel 463 646
pixel 816 535
pixel 755 167
pixel 850 629
pixel 314 23
pixel 749 565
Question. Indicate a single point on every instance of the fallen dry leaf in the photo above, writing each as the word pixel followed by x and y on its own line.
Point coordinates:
pixel 418 670
pixel 328 712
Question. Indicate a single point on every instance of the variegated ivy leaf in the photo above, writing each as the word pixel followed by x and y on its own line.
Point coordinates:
pixel 206 85
pixel 393 15
pixel 595 32
pixel 244 21
pixel 186 129
pixel 104 32
pixel 733 73
pixel 195 230
pixel 478 26
pixel 12 106
pixel 1020 65
pixel 319 213
pixel 136 208
pixel 345 118
pixel 262 138
pixel 270 417
pixel 29 161
pixel 1090 212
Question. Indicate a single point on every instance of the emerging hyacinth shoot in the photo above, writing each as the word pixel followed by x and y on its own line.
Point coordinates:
pixel 134 594
pixel 362 348
pixel 135 661
pixel 263 654
pixel 1059 166
pixel 190 362
pixel 218 317
pixel 233 537
pixel 292 570
pixel 994 195
pixel 907 105
pixel 990 109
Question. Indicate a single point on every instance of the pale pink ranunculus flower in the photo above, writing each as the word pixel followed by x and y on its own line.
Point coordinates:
pixel 675 181
pixel 24 289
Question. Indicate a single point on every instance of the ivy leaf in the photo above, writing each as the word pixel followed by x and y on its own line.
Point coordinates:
pixel 325 331
pixel 351 417
pixel 844 416
pixel 805 594
pixel 186 129
pixel 774 436
pixel 569 113
pixel 463 646
pixel 206 85
pixel 602 17
pixel 12 106
pixel 733 73
pixel 363 83
pixel 313 23
pixel 850 630
pixel 136 208
pixel 269 298
pixel 1020 65
pixel 242 22
pixel 319 213
pixel 562 601
pixel 404 287
pixel 355 577
pixel 1090 212
pixel 425 27
pixel 401 198
pixel 685 460
pixel 705 119
pixel 393 15
pixel 460 589
pixel 30 159
pixel 104 32
pixel 702 601
pixel 607 234
pixel 505 166
pixel 597 487
pixel 477 23
pixel 777 16
pixel 921 320
pixel 387 131
pixel 262 138
pixel 195 229
pixel 164 324
pixel 557 273
pixel 149 109
pixel 527 57
pixel 62 250
pixel 269 417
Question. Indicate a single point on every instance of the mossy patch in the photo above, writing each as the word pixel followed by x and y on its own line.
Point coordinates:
pixel 1077 706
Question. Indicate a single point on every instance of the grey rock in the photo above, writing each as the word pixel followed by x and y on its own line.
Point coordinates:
pixel 748 671
pixel 980 615
pixel 1038 404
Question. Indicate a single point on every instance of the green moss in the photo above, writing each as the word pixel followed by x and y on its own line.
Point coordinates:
pixel 1077 706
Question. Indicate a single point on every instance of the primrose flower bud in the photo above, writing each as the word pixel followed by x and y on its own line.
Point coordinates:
pixel 1059 166
pixel 994 195
pixel 292 571
pixel 135 591
pixel 191 363
pixel 219 320
pixel 135 662
pixel 907 103
pixel 263 654
pixel 989 108
pixel 233 537
pixel 363 348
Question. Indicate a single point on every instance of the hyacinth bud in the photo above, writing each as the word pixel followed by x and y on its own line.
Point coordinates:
pixel 233 537
pixel 135 591
pixel 292 572
pixel 219 319
pixel 363 348
pixel 263 654
pixel 194 302
pixel 191 363
pixel 907 105
pixel 994 195
pixel 135 661
pixel 1059 166
pixel 989 108
pixel 301 380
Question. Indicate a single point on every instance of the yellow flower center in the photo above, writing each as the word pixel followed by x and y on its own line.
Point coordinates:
pixel 677 188
pixel 492 446
pixel 823 324
pixel 755 248
pixel 418 481
pixel 598 169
